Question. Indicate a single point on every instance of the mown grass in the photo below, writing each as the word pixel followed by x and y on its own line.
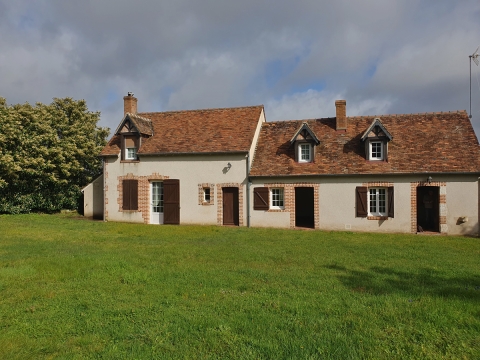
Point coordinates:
pixel 78 289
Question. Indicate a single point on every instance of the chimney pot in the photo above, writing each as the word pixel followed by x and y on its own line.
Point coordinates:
pixel 341 115
pixel 129 104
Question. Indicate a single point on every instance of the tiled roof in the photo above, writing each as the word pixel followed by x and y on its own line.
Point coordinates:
pixel 143 125
pixel 422 143
pixel 196 131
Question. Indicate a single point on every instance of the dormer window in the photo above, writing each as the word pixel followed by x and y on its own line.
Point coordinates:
pixel 131 153
pixel 133 130
pixel 304 152
pixel 376 150
pixel 304 141
pixel 376 139
pixel 130 146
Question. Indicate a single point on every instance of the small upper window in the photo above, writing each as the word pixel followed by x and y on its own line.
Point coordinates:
pixel 131 153
pixel 377 201
pixel 206 195
pixel 276 198
pixel 376 150
pixel 304 152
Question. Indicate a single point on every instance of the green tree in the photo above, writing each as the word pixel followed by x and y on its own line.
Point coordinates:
pixel 47 154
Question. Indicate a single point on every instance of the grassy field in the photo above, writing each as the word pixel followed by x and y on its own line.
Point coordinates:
pixel 77 289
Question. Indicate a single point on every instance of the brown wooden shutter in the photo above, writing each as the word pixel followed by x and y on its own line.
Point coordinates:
pixel 130 194
pixel 126 194
pixel 133 194
pixel 260 198
pixel 361 202
pixel 390 202
pixel 171 201
pixel 122 147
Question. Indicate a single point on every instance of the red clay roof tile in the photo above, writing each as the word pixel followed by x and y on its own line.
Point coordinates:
pixel 197 131
pixel 422 143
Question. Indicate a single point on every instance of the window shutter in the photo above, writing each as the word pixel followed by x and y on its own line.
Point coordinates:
pixel 260 198
pixel 390 202
pixel 133 194
pixel 130 194
pixel 122 145
pixel 126 194
pixel 361 201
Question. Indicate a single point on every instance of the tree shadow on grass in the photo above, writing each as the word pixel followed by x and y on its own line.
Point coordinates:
pixel 383 280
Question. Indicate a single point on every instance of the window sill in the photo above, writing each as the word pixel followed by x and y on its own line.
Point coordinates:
pixel 276 210
pixel 129 161
pixel 377 217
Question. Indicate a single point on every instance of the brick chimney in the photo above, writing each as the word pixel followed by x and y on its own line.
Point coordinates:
pixel 129 104
pixel 341 120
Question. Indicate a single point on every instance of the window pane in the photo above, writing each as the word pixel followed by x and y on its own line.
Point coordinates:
pixel 157 196
pixel 206 194
pixel 373 200
pixel 305 152
pixel 131 153
pixel 277 197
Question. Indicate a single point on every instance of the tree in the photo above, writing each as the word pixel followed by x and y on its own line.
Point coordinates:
pixel 47 154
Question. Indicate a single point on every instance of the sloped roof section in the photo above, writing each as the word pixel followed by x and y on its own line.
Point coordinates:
pixel 196 131
pixel 421 143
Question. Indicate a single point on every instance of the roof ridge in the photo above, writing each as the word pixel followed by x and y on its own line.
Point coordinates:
pixel 409 114
pixel 206 109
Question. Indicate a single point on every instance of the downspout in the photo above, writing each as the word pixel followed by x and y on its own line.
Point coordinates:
pixel 104 194
pixel 248 189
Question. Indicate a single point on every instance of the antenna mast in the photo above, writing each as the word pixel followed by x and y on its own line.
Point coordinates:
pixel 474 56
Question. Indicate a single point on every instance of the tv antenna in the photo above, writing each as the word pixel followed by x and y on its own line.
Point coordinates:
pixel 474 56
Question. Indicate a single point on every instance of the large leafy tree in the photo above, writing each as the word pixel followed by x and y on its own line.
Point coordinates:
pixel 47 154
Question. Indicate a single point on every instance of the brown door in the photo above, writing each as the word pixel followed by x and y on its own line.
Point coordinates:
pixel 230 206
pixel 171 201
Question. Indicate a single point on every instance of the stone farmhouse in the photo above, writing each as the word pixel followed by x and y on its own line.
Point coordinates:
pixel 385 173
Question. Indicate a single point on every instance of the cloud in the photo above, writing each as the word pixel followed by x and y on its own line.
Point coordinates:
pixel 297 58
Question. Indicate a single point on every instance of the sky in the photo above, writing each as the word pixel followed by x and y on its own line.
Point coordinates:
pixel 294 57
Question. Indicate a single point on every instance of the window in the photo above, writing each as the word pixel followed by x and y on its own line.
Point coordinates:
pixel 277 198
pixel 376 150
pixel 130 194
pixel 206 195
pixel 157 197
pixel 131 154
pixel 377 201
pixel 304 153
pixel 374 201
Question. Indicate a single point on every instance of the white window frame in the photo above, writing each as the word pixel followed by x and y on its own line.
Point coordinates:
pixel 381 147
pixel 277 198
pixel 128 155
pixel 299 150
pixel 377 200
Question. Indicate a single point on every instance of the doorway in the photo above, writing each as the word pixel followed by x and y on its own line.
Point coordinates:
pixel 428 199
pixel 156 201
pixel 230 206
pixel 304 207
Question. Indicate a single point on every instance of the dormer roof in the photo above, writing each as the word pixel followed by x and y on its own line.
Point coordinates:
pixel 376 129
pixel 306 133
pixel 135 123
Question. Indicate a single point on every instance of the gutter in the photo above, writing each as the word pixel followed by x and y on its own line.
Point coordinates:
pixel 248 189
pixel 368 174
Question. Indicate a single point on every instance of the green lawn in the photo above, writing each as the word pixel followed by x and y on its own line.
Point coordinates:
pixel 77 289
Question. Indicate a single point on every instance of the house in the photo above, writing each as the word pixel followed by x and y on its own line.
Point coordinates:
pixel 388 173
pixel 180 167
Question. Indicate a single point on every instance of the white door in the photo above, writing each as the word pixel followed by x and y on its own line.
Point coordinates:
pixel 156 209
